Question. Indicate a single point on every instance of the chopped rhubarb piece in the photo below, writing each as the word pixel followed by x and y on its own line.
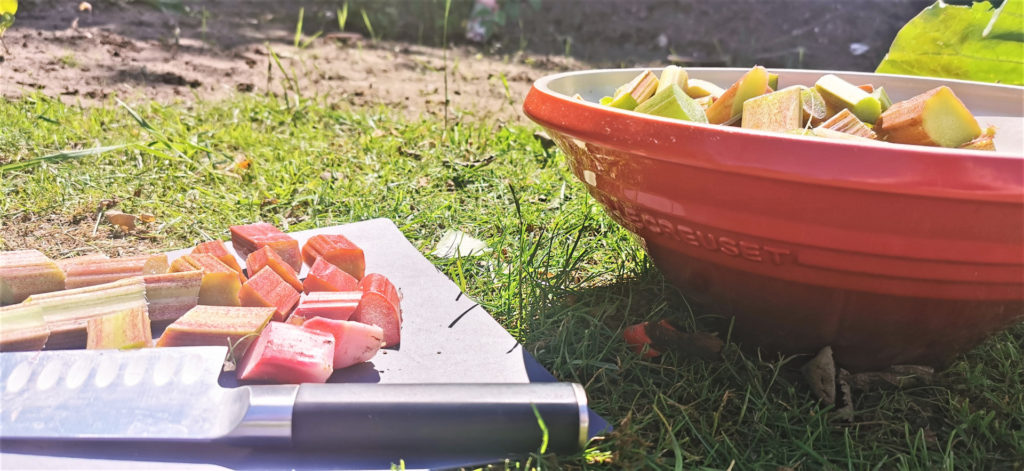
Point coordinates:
pixel 99 271
pixel 295 319
pixel 27 272
pixel 288 354
pixel 217 325
pixel 729 107
pixel 354 342
pixel 217 249
pixel 268 289
pixel 249 238
pixel 636 338
pixel 220 283
pixel 324 276
pixel 380 285
pixel 22 328
pixel 845 121
pixel 266 257
pixel 338 305
pixel 68 312
pixel 337 250
pixel 375 309
pixel 64 263
pixel 124 329
pixel 170 295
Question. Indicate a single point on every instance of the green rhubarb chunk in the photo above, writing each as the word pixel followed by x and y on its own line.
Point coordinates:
pixel 22 328
pixel 121 330
pixel 638 90
pixel 777 111
pixel 843 94
pixel 217 325
pixel 68 312
pixel 728 108
pixel 673 102
pixel 882 97
pixel 606 100
pixel 773 81
pixel 672 74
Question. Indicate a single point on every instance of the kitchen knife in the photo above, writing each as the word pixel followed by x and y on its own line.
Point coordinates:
pixel 173 394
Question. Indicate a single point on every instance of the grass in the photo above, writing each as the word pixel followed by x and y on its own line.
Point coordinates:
pixel 563 278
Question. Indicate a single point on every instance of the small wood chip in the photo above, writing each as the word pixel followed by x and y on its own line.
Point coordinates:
pixel 820 373
pixel 125 221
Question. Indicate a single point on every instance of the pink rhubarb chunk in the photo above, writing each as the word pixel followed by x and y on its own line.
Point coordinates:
pixel 266 257
pixel 337 250
pixel 268 289
pixel 380 285
pixel 288 354
pixel 251 237
pixel 354 342
pixel 324 276
pixel 375 309
pixel 332 305
pixel 91 272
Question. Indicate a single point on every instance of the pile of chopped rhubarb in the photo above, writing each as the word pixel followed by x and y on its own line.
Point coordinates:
pixel 279 328
pixel 833 108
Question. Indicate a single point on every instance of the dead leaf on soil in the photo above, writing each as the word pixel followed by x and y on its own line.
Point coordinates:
pixel 125 221
pixel 820 373
pixel 147 218
pixel 455 244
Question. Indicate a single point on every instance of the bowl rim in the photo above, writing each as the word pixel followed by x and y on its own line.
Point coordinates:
pixel 542 85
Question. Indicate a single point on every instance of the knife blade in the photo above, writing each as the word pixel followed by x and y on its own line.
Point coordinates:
pixel 173 394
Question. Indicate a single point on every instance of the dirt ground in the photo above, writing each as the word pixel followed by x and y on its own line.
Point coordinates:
pixel 209 50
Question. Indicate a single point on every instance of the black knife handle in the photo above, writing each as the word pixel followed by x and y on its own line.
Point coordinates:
pixel 440 418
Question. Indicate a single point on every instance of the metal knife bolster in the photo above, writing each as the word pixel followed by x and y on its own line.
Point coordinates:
pixel 269 416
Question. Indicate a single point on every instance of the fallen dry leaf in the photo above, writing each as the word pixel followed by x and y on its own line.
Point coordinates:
pixel 820 373
pixel 125 221
pixel 147 218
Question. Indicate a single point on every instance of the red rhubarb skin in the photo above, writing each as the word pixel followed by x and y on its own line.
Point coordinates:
pixel 375 309
pixel 354 342
pixel 267 288
pixel 266 257
pixel 636 338
pixel 380 284
pixel 251 237
pixel 288 354
pixel 324 276
pixel 337 250
pixel 338 305
pixel 217 249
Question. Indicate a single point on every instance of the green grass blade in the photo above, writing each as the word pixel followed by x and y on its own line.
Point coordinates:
pixel 298 28
pixel 342 17
pixel 59 157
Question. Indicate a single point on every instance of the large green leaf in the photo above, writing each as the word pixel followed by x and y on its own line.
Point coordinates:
pixel 976 42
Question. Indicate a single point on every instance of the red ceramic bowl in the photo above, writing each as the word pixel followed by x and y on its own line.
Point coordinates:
pixel 891 254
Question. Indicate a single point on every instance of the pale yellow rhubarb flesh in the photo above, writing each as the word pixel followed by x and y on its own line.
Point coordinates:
pixel 815 110
pixel 98 271
pixel 986 141
pixel 670 75
pixel 219 250
pixel 777 111
pixel 846 122
pixel 171 295
pixel 934 118
pixel 121 330
pixel 220 283
pixel 68 312
pixel 217 325
pixel 27 272
pixel 698 88
pixel 22 328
